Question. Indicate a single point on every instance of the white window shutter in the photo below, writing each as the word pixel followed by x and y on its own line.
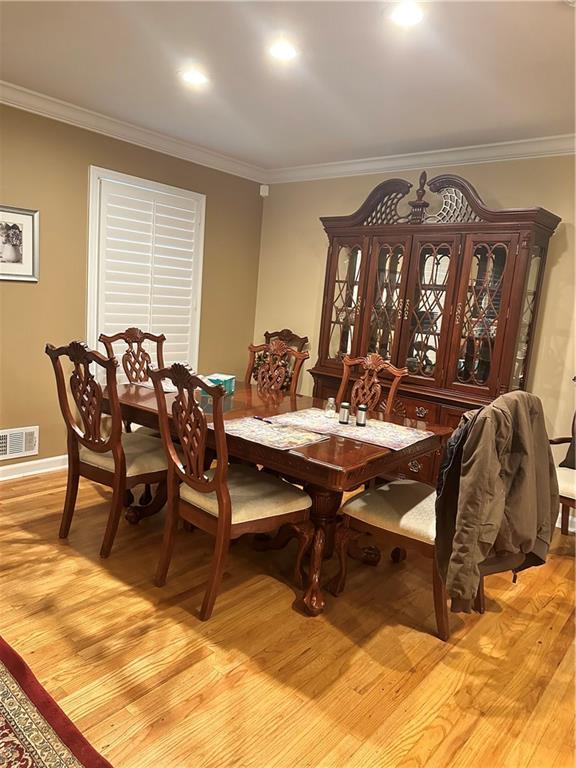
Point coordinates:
pixel 149 262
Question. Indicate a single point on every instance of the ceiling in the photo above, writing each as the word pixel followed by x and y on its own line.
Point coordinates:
pixel 471 73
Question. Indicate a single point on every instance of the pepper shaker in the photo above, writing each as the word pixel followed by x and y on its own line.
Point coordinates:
pixel 361 415
pixel 344 415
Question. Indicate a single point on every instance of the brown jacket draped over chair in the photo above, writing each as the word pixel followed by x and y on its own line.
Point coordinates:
pixel 497 501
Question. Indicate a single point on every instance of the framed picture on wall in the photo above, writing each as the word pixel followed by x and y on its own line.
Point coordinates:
pixel 18 244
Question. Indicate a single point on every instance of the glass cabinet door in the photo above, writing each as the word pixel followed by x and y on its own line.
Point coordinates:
pixel 428 299
pixel 478 330
pixel 386 286
pixel 346 299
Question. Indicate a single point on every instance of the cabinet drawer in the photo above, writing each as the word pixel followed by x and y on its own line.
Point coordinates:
pixel 450 415
pixel 423 469
pixel 420 410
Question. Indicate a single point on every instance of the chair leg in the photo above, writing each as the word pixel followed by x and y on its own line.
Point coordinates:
pixel 167 548
pixel 70 502
pixel 565 520
pixel 116 508
pixel 305 533
pixel 440 602
pixel 216 572
pixel 479 600
pixel 342 540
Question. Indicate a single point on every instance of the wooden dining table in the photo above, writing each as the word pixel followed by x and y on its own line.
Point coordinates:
pixel 326 469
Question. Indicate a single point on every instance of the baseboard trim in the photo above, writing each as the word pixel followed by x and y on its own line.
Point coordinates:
pixel 35 467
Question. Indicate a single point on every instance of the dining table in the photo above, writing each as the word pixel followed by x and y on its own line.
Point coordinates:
pixel 326 469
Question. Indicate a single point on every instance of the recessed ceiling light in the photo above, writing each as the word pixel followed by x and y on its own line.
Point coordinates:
pixel 195 77
pixel 407 14
pixel 283 50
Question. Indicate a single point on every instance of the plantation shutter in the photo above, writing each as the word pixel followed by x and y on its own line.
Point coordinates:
pixel 150 262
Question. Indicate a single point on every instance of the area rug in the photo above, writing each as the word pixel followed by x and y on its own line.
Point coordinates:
pixel 34 731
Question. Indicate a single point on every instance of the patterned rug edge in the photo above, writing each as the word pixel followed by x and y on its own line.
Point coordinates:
pixel 58 721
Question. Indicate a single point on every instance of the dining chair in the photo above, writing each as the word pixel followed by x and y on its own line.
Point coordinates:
pixel 368 388
pixel 566 474
pixel 135 359
pixel 275 367
pixel 135 362
pixel 97 447
pixel 402 514
pixel 225 501
pixel 288 337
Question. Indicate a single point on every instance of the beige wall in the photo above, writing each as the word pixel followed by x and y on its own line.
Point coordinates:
pixel 45 164
pixel 293 259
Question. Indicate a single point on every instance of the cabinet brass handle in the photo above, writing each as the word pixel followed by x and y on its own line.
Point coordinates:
pixel 421 411
pixel 414 465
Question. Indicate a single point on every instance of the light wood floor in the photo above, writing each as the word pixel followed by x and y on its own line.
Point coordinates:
pixel 367 685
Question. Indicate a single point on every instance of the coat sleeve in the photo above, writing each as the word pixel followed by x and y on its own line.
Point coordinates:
pixel 481 502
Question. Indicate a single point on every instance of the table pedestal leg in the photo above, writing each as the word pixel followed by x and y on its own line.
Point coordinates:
pixel 325 506
pixel 264 542
pixel 135 513
pixel 369 555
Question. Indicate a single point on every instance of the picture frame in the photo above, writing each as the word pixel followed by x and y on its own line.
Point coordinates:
pixel 19 244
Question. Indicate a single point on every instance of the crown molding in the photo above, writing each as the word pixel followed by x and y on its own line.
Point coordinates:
pixel 31 101
pixel 523 149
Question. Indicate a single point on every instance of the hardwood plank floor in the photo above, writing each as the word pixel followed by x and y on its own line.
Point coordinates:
pixel 261 685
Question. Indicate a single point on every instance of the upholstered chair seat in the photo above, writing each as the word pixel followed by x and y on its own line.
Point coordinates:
pixel 405 507
pixel 144 454
pixel 566 482
pixel 254 495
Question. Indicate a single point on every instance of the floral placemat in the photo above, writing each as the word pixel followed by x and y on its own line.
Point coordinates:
pixel 382 433
pixel 281 436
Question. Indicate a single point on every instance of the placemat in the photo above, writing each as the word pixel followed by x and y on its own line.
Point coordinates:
pixel 280 436
pixel 382 433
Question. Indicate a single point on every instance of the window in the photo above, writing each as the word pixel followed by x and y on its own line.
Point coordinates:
pixel 145 261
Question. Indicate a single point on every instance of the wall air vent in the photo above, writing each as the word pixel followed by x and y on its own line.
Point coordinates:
pixel 15 443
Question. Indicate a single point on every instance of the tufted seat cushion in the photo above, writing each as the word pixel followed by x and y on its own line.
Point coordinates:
pixel 566 482
pixel 144 454
pixel 254 495
pixel 404 506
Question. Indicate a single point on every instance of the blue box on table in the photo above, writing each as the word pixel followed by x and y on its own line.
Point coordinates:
pixel 225 380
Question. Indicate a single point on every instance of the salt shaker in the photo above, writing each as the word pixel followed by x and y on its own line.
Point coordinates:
pixel 361 415
pixel 344 415
pixel 330 408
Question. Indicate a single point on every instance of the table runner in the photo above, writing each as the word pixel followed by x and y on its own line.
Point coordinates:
pixel 281 436
pixel 382 433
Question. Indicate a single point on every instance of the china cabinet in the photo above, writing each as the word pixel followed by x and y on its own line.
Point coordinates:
pixel 440 284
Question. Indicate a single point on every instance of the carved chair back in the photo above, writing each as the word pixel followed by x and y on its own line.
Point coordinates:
pixel 368 388
pixel 275 367
pixel 136 359
pixel 184 433
pixel 87 396
pixel 288 337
